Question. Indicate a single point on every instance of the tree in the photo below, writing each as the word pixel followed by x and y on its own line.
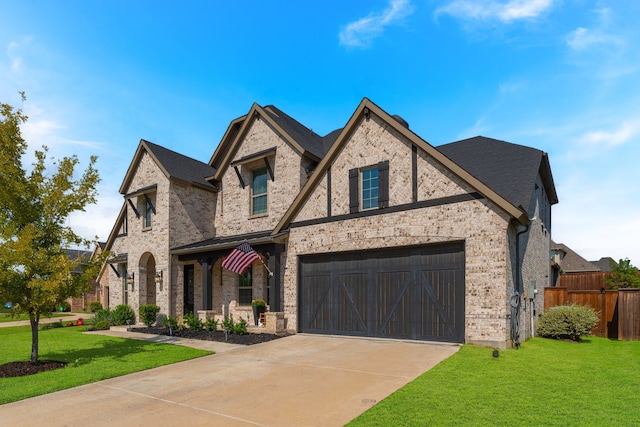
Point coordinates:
pixel 35 273
pixel 623 275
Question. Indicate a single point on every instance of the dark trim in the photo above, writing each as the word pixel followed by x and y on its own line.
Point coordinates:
pixel 118 259
pixel 148 199
pixel 269 169
pixel 354 190
pixel 242 184
pixel 221 253
pixel 144 190
pixel 393 209
pixel 383 184
pixel 135 211
pixel 329 191
pixel 115 270
pixel 254 156
pixel 414 173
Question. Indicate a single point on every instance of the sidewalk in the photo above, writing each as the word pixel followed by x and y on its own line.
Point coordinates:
pixel 72 317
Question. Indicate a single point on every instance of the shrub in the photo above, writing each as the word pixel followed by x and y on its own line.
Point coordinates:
pixel 171 323
pixel 239 328
pixel 258 303
pixel 101 325
pixel 193 322
pixel 63 306
pixel 149 314
pixel 568 322
pixel 123 315
pixel 211 324
pixel 95 306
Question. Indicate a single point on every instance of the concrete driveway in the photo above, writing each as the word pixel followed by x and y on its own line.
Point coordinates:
pixel 300 380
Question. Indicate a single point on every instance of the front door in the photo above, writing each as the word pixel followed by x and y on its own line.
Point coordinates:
pixel 188 289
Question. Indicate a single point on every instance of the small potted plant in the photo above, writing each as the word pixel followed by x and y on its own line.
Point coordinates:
pixel 259 306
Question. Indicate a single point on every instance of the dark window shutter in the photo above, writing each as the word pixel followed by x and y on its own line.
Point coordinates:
pixel 383 184
pixel 354 199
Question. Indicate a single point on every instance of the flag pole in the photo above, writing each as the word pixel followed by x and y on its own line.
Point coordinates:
pixel 265 266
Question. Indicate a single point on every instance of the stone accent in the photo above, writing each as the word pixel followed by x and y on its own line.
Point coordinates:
pixel 274 322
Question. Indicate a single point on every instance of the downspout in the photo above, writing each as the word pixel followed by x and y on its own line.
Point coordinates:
pixel 516 298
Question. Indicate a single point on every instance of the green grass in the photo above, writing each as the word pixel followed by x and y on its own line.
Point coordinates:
pixel 545 382
pixel 90 358
pixel 7 317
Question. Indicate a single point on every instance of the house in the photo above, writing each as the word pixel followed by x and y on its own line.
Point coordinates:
pixel 367 231
pixel 82 303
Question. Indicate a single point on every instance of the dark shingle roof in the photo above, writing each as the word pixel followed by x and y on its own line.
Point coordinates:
pixel 308 139
pixel 604 263
pixel 78 255
pixel 509 169
pixel 570 261
pixel 181 166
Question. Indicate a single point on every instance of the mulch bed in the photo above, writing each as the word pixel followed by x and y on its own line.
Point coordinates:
pixel 219 336
pixel 20 369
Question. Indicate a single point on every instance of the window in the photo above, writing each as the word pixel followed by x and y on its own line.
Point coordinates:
pixel 148 210
pixel 259 192
pixel 370 188
pixel 245 288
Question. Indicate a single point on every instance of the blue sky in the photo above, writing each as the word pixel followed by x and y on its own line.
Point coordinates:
pixel 558 75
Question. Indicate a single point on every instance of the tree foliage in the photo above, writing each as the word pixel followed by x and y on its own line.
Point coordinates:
pixel 623 275
pixel 35 272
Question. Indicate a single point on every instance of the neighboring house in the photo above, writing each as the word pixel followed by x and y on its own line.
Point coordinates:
pixel 565 260
pixel 369 230
pixel 604 263
pixel 82 303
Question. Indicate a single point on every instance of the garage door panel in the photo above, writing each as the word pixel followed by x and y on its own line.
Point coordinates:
pixel 414 293
pixel 351 304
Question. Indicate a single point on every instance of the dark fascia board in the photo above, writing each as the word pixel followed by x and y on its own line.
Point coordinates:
pixel 255 156
pixel 231 242
pixel 134 165
pixel 148 189
pixel 335 149
pixel 225 142
pixel 255 113
pixel 547 179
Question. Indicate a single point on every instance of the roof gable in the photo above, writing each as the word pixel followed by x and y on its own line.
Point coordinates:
pixel 509 169
pixel 172 165
pixel 302 139
pixel 366 108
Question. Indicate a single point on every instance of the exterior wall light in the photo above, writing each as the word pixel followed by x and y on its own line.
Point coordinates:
pixel 131 280
pixel 159 276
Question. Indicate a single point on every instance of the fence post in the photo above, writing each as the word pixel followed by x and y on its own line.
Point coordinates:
pixel 629 314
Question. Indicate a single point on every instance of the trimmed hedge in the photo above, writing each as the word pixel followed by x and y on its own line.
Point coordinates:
pixel 123 315
pixel 149 314
pixel 568 322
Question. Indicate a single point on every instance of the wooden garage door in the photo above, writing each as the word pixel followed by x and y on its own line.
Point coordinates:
pixel 410 293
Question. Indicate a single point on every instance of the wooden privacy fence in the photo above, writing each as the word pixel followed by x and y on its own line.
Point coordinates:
pixel 590 281
pixel 618 310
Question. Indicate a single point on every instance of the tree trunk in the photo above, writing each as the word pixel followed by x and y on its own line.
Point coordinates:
pixel 34 337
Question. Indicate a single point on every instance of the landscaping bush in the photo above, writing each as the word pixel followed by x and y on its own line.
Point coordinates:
pixel 239 328
pixel 123 315
pixel 567 322
pixel 95 306
pixel 171 323
pixel 193 322
pixel 63 306
pixel 211 324
pixel 101 325
pixel 149 314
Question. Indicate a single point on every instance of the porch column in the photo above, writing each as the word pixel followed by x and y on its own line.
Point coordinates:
pixel 207 283
pixel 275 302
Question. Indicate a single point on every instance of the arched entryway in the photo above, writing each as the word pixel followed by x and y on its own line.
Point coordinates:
pixel 147 286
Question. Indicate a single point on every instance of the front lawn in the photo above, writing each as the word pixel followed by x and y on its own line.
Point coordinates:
pixel 546 382
pixel 7 317
pixel 90 358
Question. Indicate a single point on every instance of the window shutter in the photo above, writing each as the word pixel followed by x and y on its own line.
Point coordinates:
pixel 354 199
pixel 383 184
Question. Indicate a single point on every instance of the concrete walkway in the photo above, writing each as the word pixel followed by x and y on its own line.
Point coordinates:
pixel 300 380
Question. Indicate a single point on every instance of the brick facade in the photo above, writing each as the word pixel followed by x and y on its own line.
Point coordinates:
pixel 187 214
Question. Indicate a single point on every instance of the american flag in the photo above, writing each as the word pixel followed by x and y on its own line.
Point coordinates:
pixel 240 258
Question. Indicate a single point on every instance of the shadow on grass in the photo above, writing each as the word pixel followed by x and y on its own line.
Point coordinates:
pixel 112 348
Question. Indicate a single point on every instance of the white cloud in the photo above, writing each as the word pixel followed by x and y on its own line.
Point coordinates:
pixel 362 32
pixel 490 10
pixel 14 49
pixel 625 132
